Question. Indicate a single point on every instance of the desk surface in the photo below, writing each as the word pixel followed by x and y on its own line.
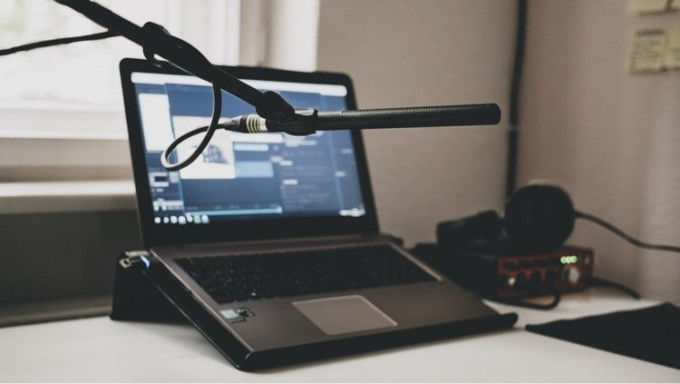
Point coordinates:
pixel 98 349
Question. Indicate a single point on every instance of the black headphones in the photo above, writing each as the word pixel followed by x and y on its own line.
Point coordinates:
pixel 538 218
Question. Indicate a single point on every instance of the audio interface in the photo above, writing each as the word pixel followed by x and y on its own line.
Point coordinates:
pixel 497 269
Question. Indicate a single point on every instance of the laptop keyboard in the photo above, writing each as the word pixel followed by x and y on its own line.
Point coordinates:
pixel 268 275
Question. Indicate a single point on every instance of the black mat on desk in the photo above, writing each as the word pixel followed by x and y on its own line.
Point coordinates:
pixel 651 334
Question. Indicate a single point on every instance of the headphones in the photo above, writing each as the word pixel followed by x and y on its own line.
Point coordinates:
pixel 538 219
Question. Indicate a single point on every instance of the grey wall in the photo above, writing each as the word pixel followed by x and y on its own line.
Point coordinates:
pixel 426 52
pixel 61 256
pixel 610 138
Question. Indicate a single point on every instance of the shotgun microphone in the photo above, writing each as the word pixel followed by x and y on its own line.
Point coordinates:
pixel 308 121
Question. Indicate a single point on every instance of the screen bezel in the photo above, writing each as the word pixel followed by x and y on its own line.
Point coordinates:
pixel 240 230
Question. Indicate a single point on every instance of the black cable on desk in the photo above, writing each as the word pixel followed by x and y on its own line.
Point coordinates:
pixel 600 282
pixel 557 297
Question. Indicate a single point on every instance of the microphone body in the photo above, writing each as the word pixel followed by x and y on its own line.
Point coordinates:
pixel 309 121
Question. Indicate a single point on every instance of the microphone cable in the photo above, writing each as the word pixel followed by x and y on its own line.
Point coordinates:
pixel 209 132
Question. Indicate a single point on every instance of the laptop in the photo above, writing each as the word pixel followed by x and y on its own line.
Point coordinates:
pixel 269 243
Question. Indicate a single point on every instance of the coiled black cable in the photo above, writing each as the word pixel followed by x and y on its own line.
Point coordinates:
pixel 210 131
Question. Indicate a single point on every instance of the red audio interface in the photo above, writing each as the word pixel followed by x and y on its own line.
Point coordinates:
pixel 499 270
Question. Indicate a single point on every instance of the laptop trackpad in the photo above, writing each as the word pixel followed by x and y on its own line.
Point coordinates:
pixel 344 314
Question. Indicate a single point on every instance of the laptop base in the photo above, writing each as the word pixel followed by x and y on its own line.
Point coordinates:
pixel 152 295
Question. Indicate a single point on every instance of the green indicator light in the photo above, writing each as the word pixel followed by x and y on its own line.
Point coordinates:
pixel 569 259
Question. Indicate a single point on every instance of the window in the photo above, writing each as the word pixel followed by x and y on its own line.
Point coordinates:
pixel 62 106
pixel 83 77
pixel 77 73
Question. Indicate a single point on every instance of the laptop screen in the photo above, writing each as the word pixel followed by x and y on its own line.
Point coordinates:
pixel 243 177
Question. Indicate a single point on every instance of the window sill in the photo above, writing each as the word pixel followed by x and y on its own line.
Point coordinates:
pixel 54 310
pixel 44 120
pixel 66 196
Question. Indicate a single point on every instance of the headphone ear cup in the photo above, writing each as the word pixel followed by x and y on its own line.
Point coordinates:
pixel 484 225
pixel 539 218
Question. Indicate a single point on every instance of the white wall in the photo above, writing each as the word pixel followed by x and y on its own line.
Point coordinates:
pixel 610 138
pixel 426 52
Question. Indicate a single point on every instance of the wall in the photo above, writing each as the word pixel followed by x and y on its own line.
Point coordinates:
pixel 61 264
pixel 68 254
pixel 608 137
pixel 415 52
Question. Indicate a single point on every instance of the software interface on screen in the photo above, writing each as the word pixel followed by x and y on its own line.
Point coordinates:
pixel 244 175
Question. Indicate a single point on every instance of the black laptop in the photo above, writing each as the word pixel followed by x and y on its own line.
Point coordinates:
pixel 269 243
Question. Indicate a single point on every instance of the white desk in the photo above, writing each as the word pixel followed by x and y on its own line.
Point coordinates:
pixel 99 349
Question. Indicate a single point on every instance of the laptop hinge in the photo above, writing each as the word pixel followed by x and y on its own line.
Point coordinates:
pixel 341 239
